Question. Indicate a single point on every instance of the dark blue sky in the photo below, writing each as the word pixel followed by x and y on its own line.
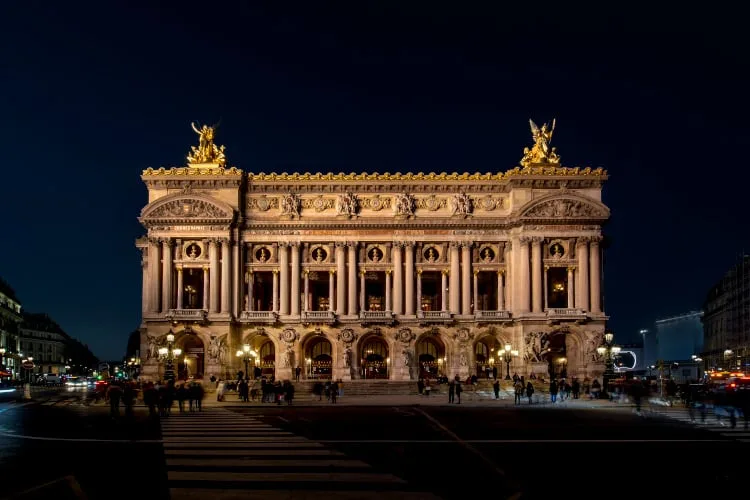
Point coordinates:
pixel 92 93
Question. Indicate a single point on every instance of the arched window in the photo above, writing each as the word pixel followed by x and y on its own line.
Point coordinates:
pixel 427 348
pixel 320 348
pixel 267 351
pixel 375 350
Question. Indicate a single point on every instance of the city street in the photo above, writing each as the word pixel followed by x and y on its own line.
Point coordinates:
pixel 414 451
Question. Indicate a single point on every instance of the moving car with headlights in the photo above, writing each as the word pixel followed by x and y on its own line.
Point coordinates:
pixel 75 382
pixel 8 392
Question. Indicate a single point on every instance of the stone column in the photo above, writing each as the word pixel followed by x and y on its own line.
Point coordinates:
pixel 306 300
pixel 571 301
pixel 443 290
pixel 545 287
pixel 166 275
pixel 466 278
pixel 206 288
pixel 294 296
pixel 331 277
pixel 419 290
pixel 595 275
pixel 275 290
pixel 387 289
pixel 284 279
pixel 352 286
pixel 213 296
pixel 536 275
pixel 476 290
pixel 398 280
pixel 340 279
pixel 500 291
pixel 508 277
pixel 362 305
pixel 409 280
pixel 582 297
pixel 145 270
pixel 154 263
pixel 522 277
pixel 455 280
pixel 179 287
pixel 250 284
pixel 226 276
pixel 237 292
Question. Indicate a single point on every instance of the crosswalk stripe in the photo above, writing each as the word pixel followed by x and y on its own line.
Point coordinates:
pixel 195 494
pixel 280 462
pixel 216 452
pixel 261 452
pixel 285 477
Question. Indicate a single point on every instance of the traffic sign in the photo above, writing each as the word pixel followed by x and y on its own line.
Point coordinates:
pixel 29 365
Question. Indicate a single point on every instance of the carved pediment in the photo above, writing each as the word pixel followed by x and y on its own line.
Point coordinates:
pixel 187 207
pixel 565 207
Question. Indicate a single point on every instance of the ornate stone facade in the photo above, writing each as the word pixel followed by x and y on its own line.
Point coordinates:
pixel 373 275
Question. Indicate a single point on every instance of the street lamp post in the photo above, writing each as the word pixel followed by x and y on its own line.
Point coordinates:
pixel 508 354
pixel 169 354
pixel 698 360
pixel 609 352
pixel 246 354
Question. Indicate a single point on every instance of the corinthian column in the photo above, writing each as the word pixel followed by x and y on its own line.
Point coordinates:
pixel 500 291
pixel 522 277
pixel 237 272
pixel 397 279
pixel 409 280
pixel 362 305
pixel 166 275
pixel 582 297
pixel 295 279
pixel 284 278
pixel 455 280
pixel 226 276
pixel 508 278
pixel 275 290
pixel 331 277
pixel 206 289
pixel 466 278
pixel 596 277
pixel 536 274
pixel 154 259
pixel 387 306
pixel 444 290
pixel 419 291
pixel 571 302
pixel 306 300
pixel 250 283
pixel 340 279
pixel 145 305
pixel 476 290
pixel 179 287
pixel 352 288
pixel 213 296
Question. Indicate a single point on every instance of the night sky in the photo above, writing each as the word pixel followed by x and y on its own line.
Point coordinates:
pixel 93 93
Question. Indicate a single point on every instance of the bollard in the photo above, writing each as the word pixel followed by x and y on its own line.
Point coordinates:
pixel 27 391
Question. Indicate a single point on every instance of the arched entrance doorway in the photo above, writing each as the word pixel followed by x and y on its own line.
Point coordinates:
pixel 267 359
pixel 191 363
pixel 554 351
pixel 374 356
pixel 431 357
pixel 485 357
pixel 319 359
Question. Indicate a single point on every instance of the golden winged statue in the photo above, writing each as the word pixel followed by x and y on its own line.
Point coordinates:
pixel 541 153
pixel 206 151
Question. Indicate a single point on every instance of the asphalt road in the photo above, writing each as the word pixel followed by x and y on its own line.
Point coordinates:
pixel 379 452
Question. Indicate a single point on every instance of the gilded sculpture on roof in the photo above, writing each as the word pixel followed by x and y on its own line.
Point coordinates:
pixel 541 153
pixel 206 151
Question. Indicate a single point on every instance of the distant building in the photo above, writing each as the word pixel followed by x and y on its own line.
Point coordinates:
pixel 10 318
pixel 678 337
pixel 726 323
pixel 43 339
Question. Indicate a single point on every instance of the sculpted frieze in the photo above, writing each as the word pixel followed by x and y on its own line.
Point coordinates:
pixel 188 209
pixel 565 207
pixel 263 203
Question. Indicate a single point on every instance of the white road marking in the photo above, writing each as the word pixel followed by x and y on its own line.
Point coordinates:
pixel 285 477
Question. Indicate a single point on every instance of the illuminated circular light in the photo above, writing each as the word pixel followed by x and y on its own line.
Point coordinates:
pixel 635 361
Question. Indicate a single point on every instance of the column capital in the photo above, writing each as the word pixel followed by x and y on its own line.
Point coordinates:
pixel 398 244
pixel 340 244
pixel 525 240
pixel 582 241
pixel 476 271
pixel 306 271
pixel 595 240
pixel 206 269
pixel 409 245
pixel 454 244
pixel 446 272
pixel 500 272
pixel 283 244
pixel 388 271
pixel 537 239
pixel 571 268
pixel 153 240
pixel 419 270
pixel 275 270
pixel 167 242
pixel 332 271
pixel 352 244
pixel 179 268
pixel 362 271
pixel 466 244
pixel 508 245
pixel 250 272
pixel 294 244
pixel 546 268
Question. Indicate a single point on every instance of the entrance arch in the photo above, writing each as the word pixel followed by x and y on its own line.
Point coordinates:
pixel 319 358
pixel 554 349
pixel 486 351
pixel 431 357
pixel 191 363
pixel 267 358
pixel 374 358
